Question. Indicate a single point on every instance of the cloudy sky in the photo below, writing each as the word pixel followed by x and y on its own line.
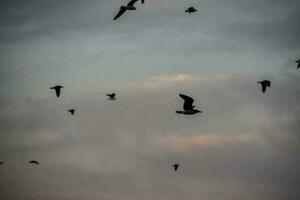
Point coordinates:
pixel 244 146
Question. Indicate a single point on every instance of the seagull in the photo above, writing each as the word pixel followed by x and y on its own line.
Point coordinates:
pixel 188 108
pixel 34 162
pixel 2 162
pixel 175 167
pixel 57 89
pixel 190 10
pixel 129 6
pixel 298 61
pixel 72 111
pixel 111 96
pixel 265 84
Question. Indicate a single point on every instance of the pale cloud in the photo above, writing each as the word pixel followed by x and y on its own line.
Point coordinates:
pixel 209 140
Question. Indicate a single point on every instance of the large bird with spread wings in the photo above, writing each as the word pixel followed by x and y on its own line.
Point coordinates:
pixel 188 108
pixel 129 6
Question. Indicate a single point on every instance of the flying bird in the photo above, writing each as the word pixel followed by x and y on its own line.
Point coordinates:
pixel 142 1
pixel 188 108
pixel 190 10
pixel 175 166
pixel 72 111
pixel 111 96
pixel 34 162
pixel 298 61
pixel 264 85
pixel 57 89
pixel 2 162
pixel 129 6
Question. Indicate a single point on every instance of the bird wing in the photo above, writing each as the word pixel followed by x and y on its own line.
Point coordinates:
pixel 188 102
pixel 298 64
pixel 264 87
pixel 143 1
pixel 122 10
pixel 34 162
pixel 57 91
pixel 132 2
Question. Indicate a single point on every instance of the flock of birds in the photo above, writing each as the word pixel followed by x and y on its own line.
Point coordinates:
pixel 188 107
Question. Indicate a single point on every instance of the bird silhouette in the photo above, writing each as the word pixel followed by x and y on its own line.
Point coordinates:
pixel 2 162
pixel 142 1
pixel 57 89
pixel 175 166
pixel 264 85
pixel 111 96
pixel 129 6
pixel 298 61
pixel 188 108
pixel 72 111
pixel 34 162
pixel 190 10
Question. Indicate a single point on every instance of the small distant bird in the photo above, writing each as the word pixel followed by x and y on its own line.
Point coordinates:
pixel 298 61
pixel 34 162
pixel 175 166
pixel 2 162
pixel 57 89
pixel 190 10
pixel 111 96
pixel 72 111
pixel 142 1
pixel 264 85
pixel 188 108
pixel 129 6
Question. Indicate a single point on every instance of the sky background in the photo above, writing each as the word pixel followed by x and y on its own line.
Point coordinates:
pixel 244 146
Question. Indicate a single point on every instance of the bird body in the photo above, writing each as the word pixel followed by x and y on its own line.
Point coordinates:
pixel 190 10
pixel 111 96
pixel 57 89
pixel 175 166
pixel 188 108
pixel 72 111
pixel 264 85
pixel 2 162
pixel 298 61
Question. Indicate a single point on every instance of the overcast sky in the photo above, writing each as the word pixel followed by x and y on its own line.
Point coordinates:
pixel 244 146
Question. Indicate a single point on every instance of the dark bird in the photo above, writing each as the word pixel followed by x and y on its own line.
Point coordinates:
pixel 190 10
pixel 298 61
pixel 188 108
pixel 57 89
pixel 175 167
pixel 2 162
pixel 264 85
pixel 34 162
pixel 111 96
pixel 142 1
pixel 129 6
pixel 72 111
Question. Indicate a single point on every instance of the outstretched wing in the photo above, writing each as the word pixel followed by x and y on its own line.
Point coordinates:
pixel 121 11
pixel 57 91
pixel 132 2
pixel 34 162
pixel 298 61
pixel 188 102
pixel 263 87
